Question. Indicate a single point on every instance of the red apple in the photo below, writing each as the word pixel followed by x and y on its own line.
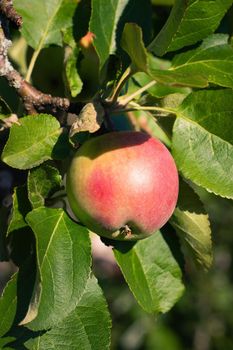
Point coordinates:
pixel 123 185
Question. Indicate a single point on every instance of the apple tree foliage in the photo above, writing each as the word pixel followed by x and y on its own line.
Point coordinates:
pixel 176 84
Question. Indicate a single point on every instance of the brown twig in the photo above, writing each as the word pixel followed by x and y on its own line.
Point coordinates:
pixel 6 8
pixel 33 99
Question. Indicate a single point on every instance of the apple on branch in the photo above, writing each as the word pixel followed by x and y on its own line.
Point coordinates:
pixel 123 185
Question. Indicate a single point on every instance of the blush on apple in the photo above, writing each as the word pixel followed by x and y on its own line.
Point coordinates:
pixel 123 185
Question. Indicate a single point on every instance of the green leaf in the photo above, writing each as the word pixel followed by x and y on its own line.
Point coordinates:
pixel 8 303
pixel 202 142
pixel 159 90
pixel 74 81
pixel 64 259
pixel 212 62
pixel 43 20
pixel 192 225
pixel 42 182
pixel 43 23
pixel 152 273
pixel 132 43
pixel 173 101
pixel 169 76
pixel 21 207
pixel 87 327
pixel 103 23
pixel 189 22
pixel 68 36
pixel 32 142
pixel 142 60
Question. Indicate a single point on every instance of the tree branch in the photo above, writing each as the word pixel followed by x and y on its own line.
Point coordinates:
pixel 6 8
pixel 33 99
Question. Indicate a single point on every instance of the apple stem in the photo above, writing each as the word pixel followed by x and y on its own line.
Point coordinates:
pixel 125 100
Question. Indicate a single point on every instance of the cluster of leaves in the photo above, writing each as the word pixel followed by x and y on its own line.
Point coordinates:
pixel 54 300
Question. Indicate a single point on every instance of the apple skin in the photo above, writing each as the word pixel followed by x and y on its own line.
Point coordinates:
pixel 123 185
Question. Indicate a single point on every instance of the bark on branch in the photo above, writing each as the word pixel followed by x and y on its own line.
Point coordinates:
pixel 33 99
pixel 6 8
